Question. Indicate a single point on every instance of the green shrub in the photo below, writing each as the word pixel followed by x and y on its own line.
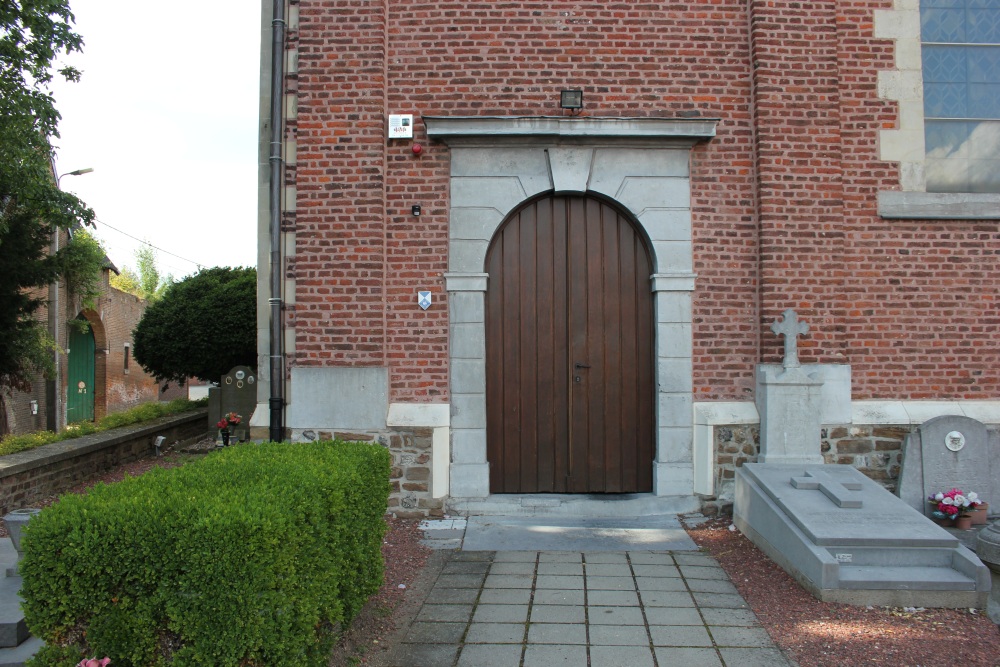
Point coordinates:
pixel 141 413
pixel 251 556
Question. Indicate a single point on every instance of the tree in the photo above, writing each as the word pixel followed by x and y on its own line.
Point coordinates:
pixel 147 283
pixel 32 207
pixel 201 327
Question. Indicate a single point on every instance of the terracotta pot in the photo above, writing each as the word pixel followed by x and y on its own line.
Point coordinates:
pixel 963 522
pixel 979 516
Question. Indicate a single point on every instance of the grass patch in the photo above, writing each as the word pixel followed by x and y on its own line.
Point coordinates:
pixel 141 413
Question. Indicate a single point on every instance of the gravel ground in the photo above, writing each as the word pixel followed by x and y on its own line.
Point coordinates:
pixel 813 633
pixel 821 634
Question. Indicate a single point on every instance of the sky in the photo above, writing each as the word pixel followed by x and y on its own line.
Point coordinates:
pixel 166 114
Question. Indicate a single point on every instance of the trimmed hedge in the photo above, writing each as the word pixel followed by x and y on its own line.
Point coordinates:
pixel 251 556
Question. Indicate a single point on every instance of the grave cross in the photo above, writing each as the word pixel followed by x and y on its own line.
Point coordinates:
pixel 790 328
pixel 839 493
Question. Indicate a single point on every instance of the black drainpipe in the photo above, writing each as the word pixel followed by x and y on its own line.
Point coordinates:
pixel 277 359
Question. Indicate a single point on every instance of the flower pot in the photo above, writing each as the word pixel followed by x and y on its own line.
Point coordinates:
pixel 963 522
pixel 979 516
pixel 225 436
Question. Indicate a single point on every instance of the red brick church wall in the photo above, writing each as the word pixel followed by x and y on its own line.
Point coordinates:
pixel 783 198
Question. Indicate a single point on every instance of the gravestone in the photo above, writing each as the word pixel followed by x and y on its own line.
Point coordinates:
pixel 237 393
pixel 950 452
pixel 846 539
pixel 789 402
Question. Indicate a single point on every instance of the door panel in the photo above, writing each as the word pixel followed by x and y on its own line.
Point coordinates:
pixel 569 351
pixel 80 378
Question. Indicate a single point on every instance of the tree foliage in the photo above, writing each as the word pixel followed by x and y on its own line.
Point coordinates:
pixel 202 326
pixel 147 284
pixel 32 207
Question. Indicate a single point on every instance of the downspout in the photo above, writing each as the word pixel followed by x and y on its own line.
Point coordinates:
pixel 276 402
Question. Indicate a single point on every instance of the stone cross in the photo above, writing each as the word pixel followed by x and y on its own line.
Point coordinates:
pixel 790 328
pixel 837 492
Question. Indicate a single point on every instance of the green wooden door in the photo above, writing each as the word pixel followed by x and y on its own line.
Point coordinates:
pixel 80 381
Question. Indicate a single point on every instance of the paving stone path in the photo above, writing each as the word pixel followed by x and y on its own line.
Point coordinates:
pixel 607 609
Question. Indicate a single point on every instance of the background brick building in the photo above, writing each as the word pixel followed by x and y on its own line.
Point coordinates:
pixel 118 382
pixel 769 155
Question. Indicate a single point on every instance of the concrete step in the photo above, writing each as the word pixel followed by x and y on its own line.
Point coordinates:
pixel 594 505
pixel 904 578
pixel 18 655
pixel 13 629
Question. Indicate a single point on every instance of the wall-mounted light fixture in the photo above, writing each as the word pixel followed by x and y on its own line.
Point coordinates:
pixel 571 99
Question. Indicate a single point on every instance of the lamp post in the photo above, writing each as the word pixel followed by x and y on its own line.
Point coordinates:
pixel 52 387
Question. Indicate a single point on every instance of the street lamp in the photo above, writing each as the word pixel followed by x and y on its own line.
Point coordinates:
pixel 53 386
pixel 77 172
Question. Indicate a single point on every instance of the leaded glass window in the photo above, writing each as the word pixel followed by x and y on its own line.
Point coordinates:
pixel 961 69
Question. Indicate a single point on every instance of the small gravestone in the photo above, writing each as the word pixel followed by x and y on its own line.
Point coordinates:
pixel 950 452
pixel 237 393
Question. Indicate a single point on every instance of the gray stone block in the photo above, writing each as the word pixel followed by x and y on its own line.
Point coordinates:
pixel 352 399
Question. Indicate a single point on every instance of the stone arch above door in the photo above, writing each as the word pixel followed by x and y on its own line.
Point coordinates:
pixel 642 164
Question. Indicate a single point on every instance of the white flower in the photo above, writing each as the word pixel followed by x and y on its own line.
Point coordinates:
pixel 947 501
pixel 960 500
pixel 939 496
pixel 973 496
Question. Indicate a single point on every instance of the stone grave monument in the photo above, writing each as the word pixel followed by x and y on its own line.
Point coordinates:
pixel 237 392
pixel 846 539
pixel 950 452
pixel 839 534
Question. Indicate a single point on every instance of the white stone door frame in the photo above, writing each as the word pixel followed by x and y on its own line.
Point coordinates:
pixel 642 165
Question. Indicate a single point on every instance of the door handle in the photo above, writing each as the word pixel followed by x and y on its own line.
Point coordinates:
pixel 579 365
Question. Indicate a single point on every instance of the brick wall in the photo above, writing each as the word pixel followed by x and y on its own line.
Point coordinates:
pixel 119 313
pixel 783 199
pixel 27 477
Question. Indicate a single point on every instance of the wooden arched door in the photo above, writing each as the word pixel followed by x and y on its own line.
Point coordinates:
pixel 569 351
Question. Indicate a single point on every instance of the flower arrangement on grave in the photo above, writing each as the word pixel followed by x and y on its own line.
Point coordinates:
pixel 954 503
pixel 94 662
pixel 227 422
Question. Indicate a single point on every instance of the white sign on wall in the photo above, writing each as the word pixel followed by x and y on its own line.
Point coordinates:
pixel 401 126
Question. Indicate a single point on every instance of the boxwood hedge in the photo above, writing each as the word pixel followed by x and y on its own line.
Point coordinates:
pixel 251 556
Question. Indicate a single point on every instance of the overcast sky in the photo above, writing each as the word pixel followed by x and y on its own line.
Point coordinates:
pixel 166 115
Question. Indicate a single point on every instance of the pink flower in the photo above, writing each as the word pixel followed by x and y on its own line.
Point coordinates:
pixel 94 662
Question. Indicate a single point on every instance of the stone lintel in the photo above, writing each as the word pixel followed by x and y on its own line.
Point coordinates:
pixel 461 129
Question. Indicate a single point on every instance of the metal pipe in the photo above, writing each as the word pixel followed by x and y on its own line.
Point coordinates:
pixel 276 403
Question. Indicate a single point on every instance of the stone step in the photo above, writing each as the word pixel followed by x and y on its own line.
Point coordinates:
pixel 892 557
pixel 13 629
pixel 904 579
pixel 625 505
pixel 17 656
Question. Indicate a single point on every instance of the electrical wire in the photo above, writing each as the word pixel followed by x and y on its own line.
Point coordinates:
pixel 144 242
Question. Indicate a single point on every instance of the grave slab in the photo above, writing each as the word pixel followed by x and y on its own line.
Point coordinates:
pixel 846 539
